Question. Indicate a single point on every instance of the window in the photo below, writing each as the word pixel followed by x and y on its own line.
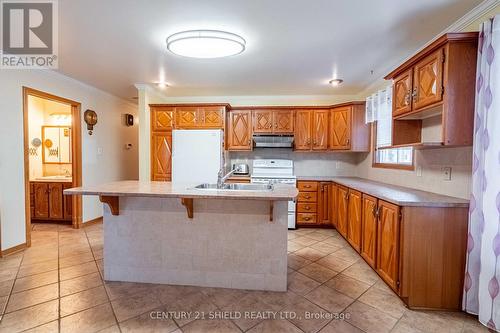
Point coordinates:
pixel 379 111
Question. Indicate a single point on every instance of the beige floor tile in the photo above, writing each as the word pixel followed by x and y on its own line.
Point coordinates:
pixel 30 317
pixel 145 323
pixel 52 327
pixel 126 308
pixel 403 327
pixel 118 290
pixel 432 321
pixel 83 300
pixel 75 260
pixel 222 297
pixel 6 287
pixel 340 326
pixel 347 285
pixel 253 302
pixel 77 270
pixel 334 263
pixel 317 236
pixel 369 319
pixel 32 269
pixel 336 241
pixel 347 254
pixel 276 325
pixel 305 241
pixel 385 301
pixel 301 284
pixel 291 236
pixel 296 262
pixel 309 316
pixel 111 329
pixel 310 254
pixel 329 299
pixel 32 297
pixel 278 300
pixel 35 281
pixel 80 283
pixel 292 246
pixel 210 326
pixel 362 272
pixel 90 320
pixel 3 303
pixel 325 247
pixel 317 272
pixel 8 274
pixel 193 303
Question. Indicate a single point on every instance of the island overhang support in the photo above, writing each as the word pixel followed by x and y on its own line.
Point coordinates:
pixel 271 210
pixel 188 203
pixel 113 202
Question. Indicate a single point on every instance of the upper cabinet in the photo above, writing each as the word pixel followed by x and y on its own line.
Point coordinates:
pixel 433 94
pixel 198 117
pixel 273 121
pixel 162 119
pixel 239 130
pixel 311 129
pixel 348 131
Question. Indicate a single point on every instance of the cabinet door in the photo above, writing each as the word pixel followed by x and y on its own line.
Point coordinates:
pixel 342 200
pixel 369 230
pixel 68 203
pixel 428 80
pixel 354 220
pixel 41 200
pixel 324 203
pixel 161 156
pixel 56 210
pixel 239 134
pixel 401 93
pixel 320 129
pixel 388 243
pixel 283 122
pixel 340 128
pixel 162 119
pixel 333 204
pixel 186 117
pixel 211 117
pixel 263 121
pixel 303 130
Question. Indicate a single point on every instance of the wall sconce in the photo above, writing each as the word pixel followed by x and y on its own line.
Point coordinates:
pixel 90 118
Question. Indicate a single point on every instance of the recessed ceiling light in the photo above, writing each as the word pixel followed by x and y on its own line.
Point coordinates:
pixel 162 85
pixel 205 44
pixel 336 82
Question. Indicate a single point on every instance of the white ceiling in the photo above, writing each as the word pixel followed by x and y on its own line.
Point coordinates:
pixel 293 46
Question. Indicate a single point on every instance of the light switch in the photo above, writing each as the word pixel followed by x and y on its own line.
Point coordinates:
pixel 99 150
pixel 446 171
pixel 419 171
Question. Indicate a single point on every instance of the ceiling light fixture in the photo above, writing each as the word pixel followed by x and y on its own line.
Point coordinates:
pixel 205 44
pixel 162 85
pixel 336 82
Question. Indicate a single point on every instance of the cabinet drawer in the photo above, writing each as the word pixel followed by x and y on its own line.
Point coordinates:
pixel 307 186
pixel 305 218
pixel 307 197
pixel 307 207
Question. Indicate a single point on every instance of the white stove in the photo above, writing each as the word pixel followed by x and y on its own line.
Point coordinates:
pixel 276 172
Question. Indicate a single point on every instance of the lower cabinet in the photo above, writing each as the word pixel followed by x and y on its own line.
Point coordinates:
pixel 369 229
pixel 388 243
pixel 354 219
pixel 314 204
pixel 324 210
pixel 161 156
pixel 48 201
pixel 342 208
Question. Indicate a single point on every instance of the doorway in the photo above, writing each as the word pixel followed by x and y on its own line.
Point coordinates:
pixel 52 158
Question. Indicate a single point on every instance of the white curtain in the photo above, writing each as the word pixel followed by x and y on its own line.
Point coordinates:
pixel 379 109
pixel 481 287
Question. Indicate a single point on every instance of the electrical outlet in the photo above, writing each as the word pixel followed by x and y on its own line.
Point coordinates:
pixel 419 171
pixel 446 171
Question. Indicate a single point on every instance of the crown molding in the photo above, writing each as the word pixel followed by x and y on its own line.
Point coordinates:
pixel 458 26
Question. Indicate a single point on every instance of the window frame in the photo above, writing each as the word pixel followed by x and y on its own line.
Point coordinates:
pixel 396 166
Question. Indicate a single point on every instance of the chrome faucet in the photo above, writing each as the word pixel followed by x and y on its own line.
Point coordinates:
pixel 221 178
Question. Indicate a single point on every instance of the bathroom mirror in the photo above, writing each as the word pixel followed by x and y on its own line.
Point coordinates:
pixel 56 142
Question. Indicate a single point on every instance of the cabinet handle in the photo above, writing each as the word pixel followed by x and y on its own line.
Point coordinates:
pixel 307 218
pixel 276 125
pixel 270 125
pixel 407 97
pixel 348 141
pixel 307 186
pixel 307 197
pixel 374 211
pixel 314 142
pixel 414 95
pixel 307 208
pixel 249 142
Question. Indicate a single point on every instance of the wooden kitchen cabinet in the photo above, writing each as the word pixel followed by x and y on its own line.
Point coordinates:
pixel 199 117
pixel 239 130
pixel 162 119
pixel 369 229
pixel 307 203
pixel 333 204
pixel 49 203
pixel 342 209
pixel 388 243
pixel 161 156
pixel 347 129
pixel 311 129
pixel 354 209
pixel 187 117
pixel 303 130
pixel 320 129
pixel 273 121
pixel 324 210
pixel 434 94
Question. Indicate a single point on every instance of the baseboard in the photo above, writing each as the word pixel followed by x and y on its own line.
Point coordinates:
pixel 14 249
pixel 97 220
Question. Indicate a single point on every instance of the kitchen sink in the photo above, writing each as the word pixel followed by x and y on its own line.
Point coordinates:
pixel 236 187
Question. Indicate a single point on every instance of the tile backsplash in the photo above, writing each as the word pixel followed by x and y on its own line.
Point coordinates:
pixel 305 163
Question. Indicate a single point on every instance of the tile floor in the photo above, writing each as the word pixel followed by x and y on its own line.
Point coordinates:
pixel 56 285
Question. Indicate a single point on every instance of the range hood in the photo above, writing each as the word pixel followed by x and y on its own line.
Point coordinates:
pixel 273 141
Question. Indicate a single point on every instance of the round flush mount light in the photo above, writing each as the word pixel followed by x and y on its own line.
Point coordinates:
pixel 336 82
pixel 205 44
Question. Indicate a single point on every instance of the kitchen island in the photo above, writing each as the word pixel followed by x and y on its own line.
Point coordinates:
pixel 159 232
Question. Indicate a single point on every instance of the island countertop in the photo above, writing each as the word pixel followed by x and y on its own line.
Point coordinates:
pixel 134 188
pixel 399 195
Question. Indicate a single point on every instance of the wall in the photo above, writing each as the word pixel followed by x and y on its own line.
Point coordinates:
pixel 104 157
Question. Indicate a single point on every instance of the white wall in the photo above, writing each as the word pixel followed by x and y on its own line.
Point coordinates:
pixel 110 135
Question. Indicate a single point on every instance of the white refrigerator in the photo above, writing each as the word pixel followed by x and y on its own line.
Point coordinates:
pixel 196 156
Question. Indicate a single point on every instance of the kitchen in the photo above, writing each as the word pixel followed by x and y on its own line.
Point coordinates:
pixel 241 181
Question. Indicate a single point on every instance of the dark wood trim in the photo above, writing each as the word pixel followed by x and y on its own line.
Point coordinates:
pixel 375 164
pixel 113 202
pixel 76 157
pixel 449 37
pixel 227 105
pixel 294 107
pixel 13 249
pixel 97 220
pixel 188 203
